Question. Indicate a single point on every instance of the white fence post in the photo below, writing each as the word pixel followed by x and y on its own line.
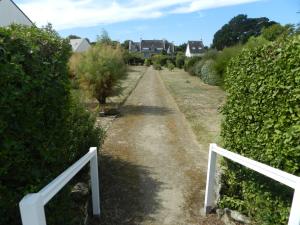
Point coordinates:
pixel 295 209
pixel 210 181
pixel 32 210
pixel 95 183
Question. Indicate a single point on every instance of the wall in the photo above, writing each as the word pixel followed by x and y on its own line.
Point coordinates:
pixel 11 14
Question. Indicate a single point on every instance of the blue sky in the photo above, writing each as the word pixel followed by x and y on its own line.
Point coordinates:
pixel 174 20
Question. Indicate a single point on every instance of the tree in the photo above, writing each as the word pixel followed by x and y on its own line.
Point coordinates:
pixel 275 31
pixel 125 44
pixel 104 37
pixel 73 36
pixel 239 29
pixel 181 48
pixel 101 70
pixel 180 60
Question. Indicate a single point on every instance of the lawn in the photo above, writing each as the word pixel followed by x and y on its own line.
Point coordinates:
pixel 199 102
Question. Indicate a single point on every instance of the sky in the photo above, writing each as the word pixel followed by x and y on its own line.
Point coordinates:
pixel 175 20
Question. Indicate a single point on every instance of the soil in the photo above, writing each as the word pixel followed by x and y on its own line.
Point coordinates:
pixel 153 170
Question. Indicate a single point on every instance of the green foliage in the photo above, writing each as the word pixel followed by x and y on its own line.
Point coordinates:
pixel 239 30
pixel 189 64
pixel 147 62
pixel 255 42
pixel 101 69
pixel 198 67
pixel 262 122
pixel 170 65
pixel 181 48
pixel 179 61
pixel 208 73
pixel 156 66
pixel 41 130
pixel 224 57
pixel 133 58
pixel 275 31
pixel 210 54
pixel 159 59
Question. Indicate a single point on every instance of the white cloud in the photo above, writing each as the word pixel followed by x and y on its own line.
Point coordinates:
pixel 64 14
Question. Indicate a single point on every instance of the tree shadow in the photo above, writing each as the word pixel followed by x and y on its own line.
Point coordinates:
pixel 122 195
pixel 144 109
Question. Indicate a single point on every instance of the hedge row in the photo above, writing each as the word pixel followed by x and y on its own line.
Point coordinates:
pixel 42 129
pixel 262 122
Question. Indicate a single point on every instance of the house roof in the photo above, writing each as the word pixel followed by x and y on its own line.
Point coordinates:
pixel 195 47
pixel 134 46
pixel 75 43
pixel 152 44
pixel 18 8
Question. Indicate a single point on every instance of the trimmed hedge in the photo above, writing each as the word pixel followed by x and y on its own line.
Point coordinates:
pixel 42 130
pixel 262 122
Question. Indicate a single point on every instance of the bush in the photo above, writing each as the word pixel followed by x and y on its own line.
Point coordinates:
pixel 180 57
pixel 170 65
pixel 262 122
pixel 147 62
pixel 198 67
pixel 208 73
pixel 36 115
pixel 101 70
pixel 223 58
pixel 133 58
pixel 189 64
pixel 156 66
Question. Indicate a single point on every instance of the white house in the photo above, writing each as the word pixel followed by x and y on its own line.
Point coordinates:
pixel 10 13
pixel 194 48
pixel 80 45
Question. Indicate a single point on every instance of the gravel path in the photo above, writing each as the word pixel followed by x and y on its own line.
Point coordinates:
pixel 153 170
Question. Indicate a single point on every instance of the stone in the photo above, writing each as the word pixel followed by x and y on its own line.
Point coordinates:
pixel 239 217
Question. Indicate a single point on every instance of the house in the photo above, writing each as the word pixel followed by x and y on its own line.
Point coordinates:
pixel 80 45
pixel 10 13
pixel 194 48
pixel 151 47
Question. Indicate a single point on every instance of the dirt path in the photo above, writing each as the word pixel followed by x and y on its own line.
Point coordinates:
pixel 153 170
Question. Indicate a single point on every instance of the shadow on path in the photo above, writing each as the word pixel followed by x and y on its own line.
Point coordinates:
pixel 144 110
pixel 121 194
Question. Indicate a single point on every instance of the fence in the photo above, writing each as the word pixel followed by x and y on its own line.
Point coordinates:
pixel 32 205
pixel 276 174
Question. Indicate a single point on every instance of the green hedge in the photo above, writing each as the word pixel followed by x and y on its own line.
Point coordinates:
pixel 42 131
pixel 262 122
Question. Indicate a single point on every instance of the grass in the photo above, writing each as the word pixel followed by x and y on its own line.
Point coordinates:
pixel 199 102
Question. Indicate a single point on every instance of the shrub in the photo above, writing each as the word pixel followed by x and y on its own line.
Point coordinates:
pixel 133 58
pixel 180 57
pixel 147 62
pixel 189 64
pixel 208 73
pixel 255 42
pixel 198 67
pixel 262 122
pixel 170 65
pixel 159 59
pixel 156 66
pixel 36 115
pixel 101 70
pixel 223 58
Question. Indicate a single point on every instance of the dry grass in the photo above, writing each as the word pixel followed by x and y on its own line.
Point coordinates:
pixel 199 102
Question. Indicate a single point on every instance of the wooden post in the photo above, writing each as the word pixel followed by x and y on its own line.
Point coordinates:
pixel 210 181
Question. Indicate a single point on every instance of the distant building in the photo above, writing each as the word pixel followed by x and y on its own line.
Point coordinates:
pixel 10 13
pixel 151 47
pixel 194 48
pixel 80 45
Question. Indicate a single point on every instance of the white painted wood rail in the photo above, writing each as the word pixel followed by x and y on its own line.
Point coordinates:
pixel 32 205
pixel 276 174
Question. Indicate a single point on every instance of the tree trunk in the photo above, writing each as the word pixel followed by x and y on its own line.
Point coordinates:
pixel 102 102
